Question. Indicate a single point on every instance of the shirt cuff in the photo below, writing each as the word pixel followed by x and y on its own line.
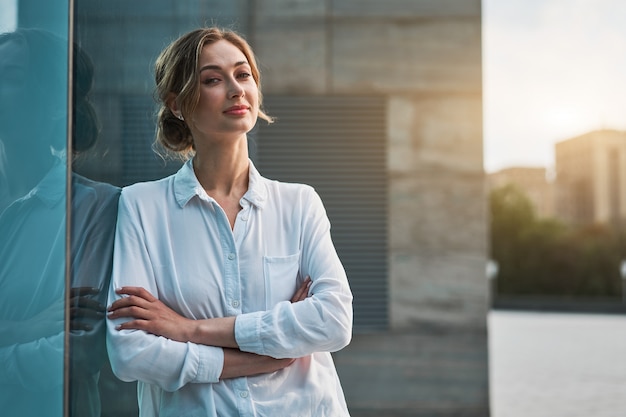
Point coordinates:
pixel 247 332
pixel 210 364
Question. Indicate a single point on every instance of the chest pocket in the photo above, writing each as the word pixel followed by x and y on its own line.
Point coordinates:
pixel 281 274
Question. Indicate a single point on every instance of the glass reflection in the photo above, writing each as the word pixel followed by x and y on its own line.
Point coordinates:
pixel 33 132
pixel 33 167
pixel 93 217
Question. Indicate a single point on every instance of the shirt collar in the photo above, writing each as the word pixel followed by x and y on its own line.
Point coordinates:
pixel 257 189
pixel 186 186
pixel 52 188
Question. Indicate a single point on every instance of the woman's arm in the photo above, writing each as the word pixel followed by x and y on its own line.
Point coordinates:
pixel 238 363
pixel 321 322
pixel 137 355
pixel 151 315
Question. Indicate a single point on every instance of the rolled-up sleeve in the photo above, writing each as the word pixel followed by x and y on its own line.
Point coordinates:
pixel 320 323
pixel 138 355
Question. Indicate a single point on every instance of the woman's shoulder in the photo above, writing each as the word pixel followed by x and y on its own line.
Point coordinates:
pixel 147 190
pixel 300 197
pixel 284 189
pixel 146 186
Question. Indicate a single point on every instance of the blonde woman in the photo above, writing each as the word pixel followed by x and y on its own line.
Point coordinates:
pixel 227 293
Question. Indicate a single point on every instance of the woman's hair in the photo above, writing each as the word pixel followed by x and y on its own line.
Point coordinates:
pixel 176 71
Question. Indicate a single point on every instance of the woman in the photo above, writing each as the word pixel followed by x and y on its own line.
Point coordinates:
pixel 212 308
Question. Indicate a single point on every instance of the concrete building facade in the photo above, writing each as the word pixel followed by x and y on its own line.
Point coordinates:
pixel 422 60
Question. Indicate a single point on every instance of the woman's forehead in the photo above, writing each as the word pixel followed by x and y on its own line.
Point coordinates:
pixel 221 54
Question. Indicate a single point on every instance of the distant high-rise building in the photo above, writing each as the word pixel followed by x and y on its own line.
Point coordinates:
pixel 591 178
pixel 533 181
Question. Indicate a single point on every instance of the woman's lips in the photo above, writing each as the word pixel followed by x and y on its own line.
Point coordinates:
pixel 237 110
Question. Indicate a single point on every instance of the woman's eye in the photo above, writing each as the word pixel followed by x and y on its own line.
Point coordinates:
pixel 211 80
pixel 244 75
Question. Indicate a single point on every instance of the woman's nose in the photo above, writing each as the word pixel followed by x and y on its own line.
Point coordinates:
pixel 236 90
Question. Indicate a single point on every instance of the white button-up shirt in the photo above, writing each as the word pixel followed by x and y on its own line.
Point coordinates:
pixel 175 241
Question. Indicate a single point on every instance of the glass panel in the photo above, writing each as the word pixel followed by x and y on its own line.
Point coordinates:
pixel 33 160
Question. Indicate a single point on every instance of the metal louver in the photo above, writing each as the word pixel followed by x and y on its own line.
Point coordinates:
pixel 139 161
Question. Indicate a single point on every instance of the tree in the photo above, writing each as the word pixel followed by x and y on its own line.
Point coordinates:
pixel 546 257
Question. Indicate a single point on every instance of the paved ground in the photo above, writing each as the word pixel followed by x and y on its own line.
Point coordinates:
pixel 553 365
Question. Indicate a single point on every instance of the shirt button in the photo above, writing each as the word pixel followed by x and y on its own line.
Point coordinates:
pixel 231 256
pixel 244 218
pixel 235 303
pixel 243 394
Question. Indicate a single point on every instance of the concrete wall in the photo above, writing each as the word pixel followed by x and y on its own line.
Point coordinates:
pixel 425 57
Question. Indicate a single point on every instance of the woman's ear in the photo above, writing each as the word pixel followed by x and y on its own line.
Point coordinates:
pixel 172 104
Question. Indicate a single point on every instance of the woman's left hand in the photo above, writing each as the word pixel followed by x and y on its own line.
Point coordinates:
pixel 149 314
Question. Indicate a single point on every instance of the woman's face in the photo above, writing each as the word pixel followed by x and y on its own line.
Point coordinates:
pixel 229 96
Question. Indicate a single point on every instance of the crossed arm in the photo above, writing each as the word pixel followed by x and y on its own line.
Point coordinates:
pixel 151 315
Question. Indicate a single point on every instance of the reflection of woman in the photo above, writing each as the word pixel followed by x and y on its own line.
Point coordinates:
pixel 207 261
pixel 33 229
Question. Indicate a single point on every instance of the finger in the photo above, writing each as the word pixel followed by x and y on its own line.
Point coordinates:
pixel 133 325
pixel 302 292
pixel 129 301
pixel 132 311
pixel 305 290
pixel 298 294
pixel 137 291
pixel 145 325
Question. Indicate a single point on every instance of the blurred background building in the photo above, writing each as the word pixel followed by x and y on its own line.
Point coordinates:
pixel 591 178
pixel 588 185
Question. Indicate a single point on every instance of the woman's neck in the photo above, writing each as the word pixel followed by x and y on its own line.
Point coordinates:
pixel 223 170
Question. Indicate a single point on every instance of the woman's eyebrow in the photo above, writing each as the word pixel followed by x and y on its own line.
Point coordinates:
pixel 217 67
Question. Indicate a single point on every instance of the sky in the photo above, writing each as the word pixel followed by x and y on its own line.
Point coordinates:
pixel 552 70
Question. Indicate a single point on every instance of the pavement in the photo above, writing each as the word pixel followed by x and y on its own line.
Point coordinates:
pixel 557 364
